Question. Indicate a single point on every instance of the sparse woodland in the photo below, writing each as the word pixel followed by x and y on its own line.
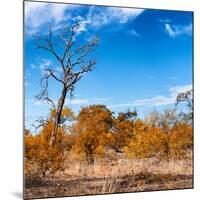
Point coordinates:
pixel 97 135
pixel 101 145
pixel 120 152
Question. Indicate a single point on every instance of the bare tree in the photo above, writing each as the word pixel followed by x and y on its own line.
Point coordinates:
pixel 187 98
pixel 74 62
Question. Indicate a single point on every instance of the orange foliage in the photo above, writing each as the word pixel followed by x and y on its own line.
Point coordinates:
pixel 181 140
pixel 40 156
pixel 93 125
pixel 155 142
pixel 96 130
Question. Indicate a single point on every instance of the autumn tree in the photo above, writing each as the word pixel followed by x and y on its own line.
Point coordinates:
pixel 93 125
pixel 167 121
pixel 148 141
pixel 122 130
pixel 74 62
pixel 42 158
pixel 181 141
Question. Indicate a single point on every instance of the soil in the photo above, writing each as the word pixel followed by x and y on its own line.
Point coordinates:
pixel 56 187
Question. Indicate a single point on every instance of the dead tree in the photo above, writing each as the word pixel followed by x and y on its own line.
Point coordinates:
pixel 74 64
pixel 187 98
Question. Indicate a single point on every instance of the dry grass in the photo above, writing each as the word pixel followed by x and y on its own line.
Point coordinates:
pixel 128 167
pixel 121 176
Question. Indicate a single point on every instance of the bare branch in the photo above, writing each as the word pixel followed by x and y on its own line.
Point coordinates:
pixel 68 42
pixel 39 123
pixel 79 60
pixel 51 102
pixel 54 76
pixel 74 77
pixel 44 85
pixel 85 48
pixel 49 50
pixel 48 45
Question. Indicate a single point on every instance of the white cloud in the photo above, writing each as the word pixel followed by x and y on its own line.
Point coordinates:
pixel 133 33
pixel 158 100
pixel 38 14
pixel 178 30
pixel 96 17
pixel 101 99
pixel 82 26
pixel 39 103
pixel 45 64
pixel 58 11
pixel 164 20
pixel 77 101
pixel 67 102
pixel 123 14
pixel 174 91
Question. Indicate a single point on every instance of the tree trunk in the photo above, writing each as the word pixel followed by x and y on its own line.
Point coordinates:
pixel 90 159
pixel 61 103
pixel 167 151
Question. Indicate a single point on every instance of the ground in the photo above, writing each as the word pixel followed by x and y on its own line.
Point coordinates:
pixel 125 176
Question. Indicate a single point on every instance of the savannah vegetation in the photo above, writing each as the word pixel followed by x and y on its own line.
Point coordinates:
pixel 98 151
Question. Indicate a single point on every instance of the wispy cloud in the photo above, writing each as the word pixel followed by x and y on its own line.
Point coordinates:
pixel 174 91
pixel 44 64
pixel 178 30
pixel 97 17
pixel 157 100
pixel 77 101
pixel 164 20
pixel 123 14
pixel 97 99
pixel 38 14
pixel 133 32
pixel 73 101
pixel 68 102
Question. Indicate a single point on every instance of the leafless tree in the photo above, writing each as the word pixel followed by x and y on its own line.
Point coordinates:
pixel 187 98
pixel 74 63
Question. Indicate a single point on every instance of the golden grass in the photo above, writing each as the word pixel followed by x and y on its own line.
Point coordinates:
pixel 113 177
pixel 124 167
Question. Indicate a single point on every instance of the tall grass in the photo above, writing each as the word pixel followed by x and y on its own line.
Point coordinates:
pixel 125 167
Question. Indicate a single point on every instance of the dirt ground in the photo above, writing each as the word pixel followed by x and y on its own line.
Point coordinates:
pixel 38 188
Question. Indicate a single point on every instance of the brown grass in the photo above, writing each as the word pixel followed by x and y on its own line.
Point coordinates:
pixel 125 167
pixel 119 176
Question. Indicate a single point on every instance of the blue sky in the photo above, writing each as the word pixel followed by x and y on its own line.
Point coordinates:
pixel 144 58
